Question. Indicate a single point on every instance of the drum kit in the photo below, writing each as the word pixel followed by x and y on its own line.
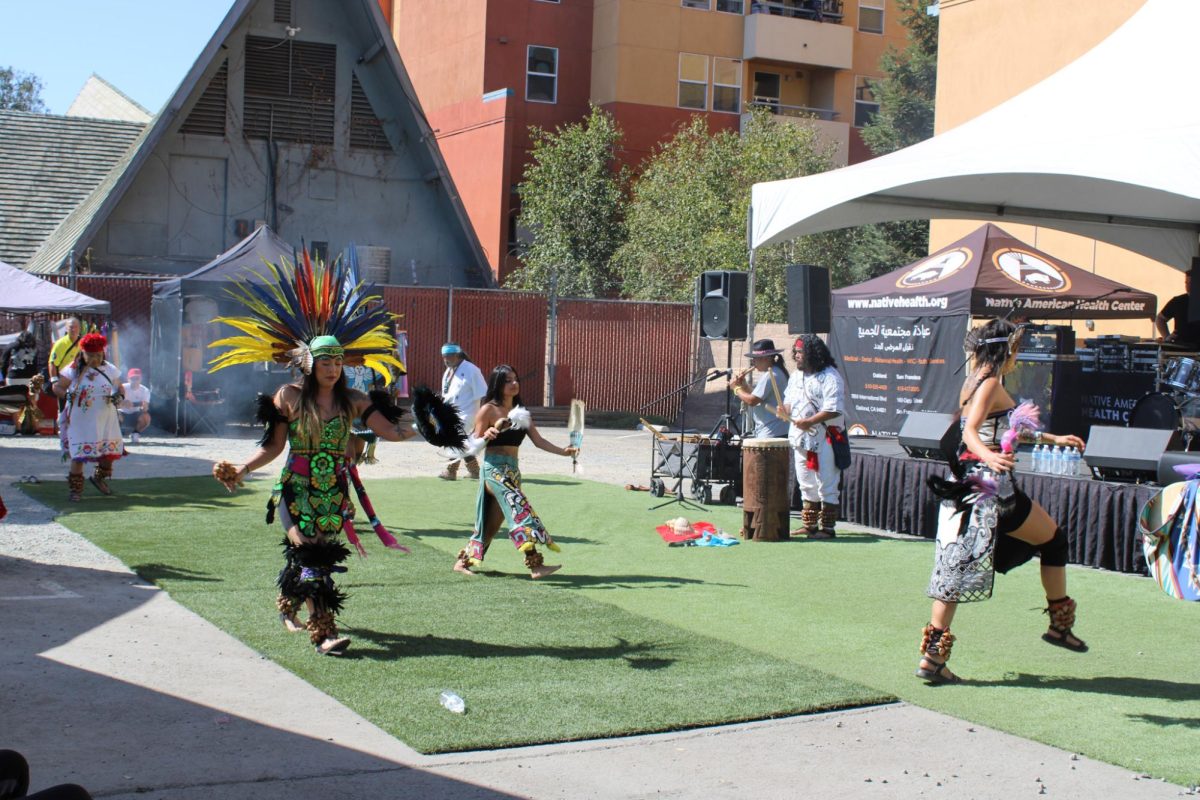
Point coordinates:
pixel 1175 402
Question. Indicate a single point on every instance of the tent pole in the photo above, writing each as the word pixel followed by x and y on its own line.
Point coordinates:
pixel 750 289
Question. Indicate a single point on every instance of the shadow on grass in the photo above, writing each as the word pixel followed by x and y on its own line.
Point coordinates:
pixel 465 534
pixel 548 482
pixel 160 572
pixel 390 646
pixel 624 581
pixel 1166 722
pixel 1116 685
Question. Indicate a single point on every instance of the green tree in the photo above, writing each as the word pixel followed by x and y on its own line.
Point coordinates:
pixel 905 117
pixel 573 201
pixel 687 214
pixel 20 91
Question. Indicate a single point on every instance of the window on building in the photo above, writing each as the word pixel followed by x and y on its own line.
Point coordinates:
pixel 704 4
pixel 865 104
pixel 731 6
pixel 766 90
pixel 870 17
pixel 549 1
pixel 727 85
pixel 693 81
pixel 541 74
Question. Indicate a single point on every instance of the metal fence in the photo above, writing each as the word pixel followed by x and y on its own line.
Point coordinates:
pixel 617 355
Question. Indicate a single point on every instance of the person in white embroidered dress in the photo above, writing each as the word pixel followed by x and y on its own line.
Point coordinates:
pixel 88 425
pixel 815 401
pixel 464 386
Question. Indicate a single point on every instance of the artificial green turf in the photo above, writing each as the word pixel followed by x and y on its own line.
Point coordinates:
pixel 535 661
pixel 711 628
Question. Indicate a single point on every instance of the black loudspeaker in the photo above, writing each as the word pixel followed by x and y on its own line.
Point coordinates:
pixel 808 299
pixel 927 434
pixel 1129 455
pixel 723 304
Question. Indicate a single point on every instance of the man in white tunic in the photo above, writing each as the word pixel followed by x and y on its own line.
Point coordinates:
pixel 464 386
pixel 815 401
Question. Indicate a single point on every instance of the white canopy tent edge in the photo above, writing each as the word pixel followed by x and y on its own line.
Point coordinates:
pixel 1062 154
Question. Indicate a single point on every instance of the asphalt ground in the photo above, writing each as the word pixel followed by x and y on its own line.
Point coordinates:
pixel 107 682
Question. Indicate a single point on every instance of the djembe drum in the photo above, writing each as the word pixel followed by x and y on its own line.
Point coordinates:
pixel 766 489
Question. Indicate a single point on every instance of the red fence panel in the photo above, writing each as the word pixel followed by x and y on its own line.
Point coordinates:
pixel 505 327
pixel 423 319
pixel 620 355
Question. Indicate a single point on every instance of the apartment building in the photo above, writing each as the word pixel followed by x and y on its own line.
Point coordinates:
pixel 485 70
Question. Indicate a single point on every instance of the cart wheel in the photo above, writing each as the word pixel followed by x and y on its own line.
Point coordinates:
pixel 727 496
pixel 656 487
pixel 697 491
pixel 706 495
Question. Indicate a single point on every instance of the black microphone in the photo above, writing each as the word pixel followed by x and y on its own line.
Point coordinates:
pixel 719 373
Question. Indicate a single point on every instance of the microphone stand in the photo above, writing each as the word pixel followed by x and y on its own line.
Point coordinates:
pixel 684 466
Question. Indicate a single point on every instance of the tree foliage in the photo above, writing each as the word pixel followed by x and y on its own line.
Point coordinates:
pixel 689 208
pixel 20 91
pixel 572 199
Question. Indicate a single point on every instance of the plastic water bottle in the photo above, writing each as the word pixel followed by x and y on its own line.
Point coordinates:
pixel 1039 458
pixel 452 702
pixel 1056 461
pixel 1073 460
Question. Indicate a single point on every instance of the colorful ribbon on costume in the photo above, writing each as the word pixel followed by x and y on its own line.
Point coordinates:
pixel 388 540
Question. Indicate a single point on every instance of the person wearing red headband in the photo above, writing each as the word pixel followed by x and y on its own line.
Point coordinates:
pixel 88 424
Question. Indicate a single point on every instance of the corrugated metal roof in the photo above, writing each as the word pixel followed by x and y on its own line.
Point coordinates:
pixel 48 165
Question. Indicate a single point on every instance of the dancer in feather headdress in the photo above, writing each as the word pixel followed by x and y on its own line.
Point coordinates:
pixel 314 318
pixel 987 524
pixel 501 424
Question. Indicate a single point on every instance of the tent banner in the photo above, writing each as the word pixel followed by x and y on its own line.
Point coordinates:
pixel 897 365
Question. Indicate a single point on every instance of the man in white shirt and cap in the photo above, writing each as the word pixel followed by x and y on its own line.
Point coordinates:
pixel 464 386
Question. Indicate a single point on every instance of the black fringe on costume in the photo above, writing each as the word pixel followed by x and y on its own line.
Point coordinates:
pixel 381 401
pixel 438 421
pixel 267 415
pixel 954 491
pixel 327 556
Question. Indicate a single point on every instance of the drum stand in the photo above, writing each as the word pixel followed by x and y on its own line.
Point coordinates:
pixel 684 465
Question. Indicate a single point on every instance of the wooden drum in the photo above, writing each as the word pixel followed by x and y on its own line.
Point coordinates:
pixel 766 489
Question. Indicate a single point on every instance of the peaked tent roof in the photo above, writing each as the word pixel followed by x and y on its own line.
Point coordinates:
pixel 85 221
pixel 236 262
pixel 48 164
pixel 1060 154
pixel 29 294
pixel 984 274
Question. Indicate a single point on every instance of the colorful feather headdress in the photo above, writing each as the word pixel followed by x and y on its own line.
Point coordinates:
pixel 296 312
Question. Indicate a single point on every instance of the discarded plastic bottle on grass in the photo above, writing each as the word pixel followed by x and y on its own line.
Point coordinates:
pixel 452 702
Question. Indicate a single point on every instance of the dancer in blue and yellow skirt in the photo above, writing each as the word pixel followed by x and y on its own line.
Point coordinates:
pixel 503 423
pixel 302 319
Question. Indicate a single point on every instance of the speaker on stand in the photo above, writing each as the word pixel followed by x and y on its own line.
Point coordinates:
pixel 723 297
pixel 809 300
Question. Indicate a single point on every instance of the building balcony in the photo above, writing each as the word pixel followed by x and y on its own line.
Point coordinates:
pixel 793 39
pixel 822 120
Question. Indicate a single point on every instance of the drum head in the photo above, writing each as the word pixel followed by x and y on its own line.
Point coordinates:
pixel 1155 410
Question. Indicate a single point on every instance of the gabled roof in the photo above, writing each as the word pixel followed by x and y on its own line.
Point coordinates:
pixel 85 222
pixel 99 99
pixel 48 164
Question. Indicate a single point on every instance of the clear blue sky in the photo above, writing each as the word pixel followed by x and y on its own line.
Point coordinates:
pixel 143 47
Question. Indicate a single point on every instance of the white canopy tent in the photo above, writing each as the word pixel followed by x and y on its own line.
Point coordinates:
pixel 1107 147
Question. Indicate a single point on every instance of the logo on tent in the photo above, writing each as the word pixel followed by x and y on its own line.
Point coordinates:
pixel 935 268
pixel 1029 270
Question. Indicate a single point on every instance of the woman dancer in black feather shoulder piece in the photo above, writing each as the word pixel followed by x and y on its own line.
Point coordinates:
pixel 987 523
pixel 313 418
